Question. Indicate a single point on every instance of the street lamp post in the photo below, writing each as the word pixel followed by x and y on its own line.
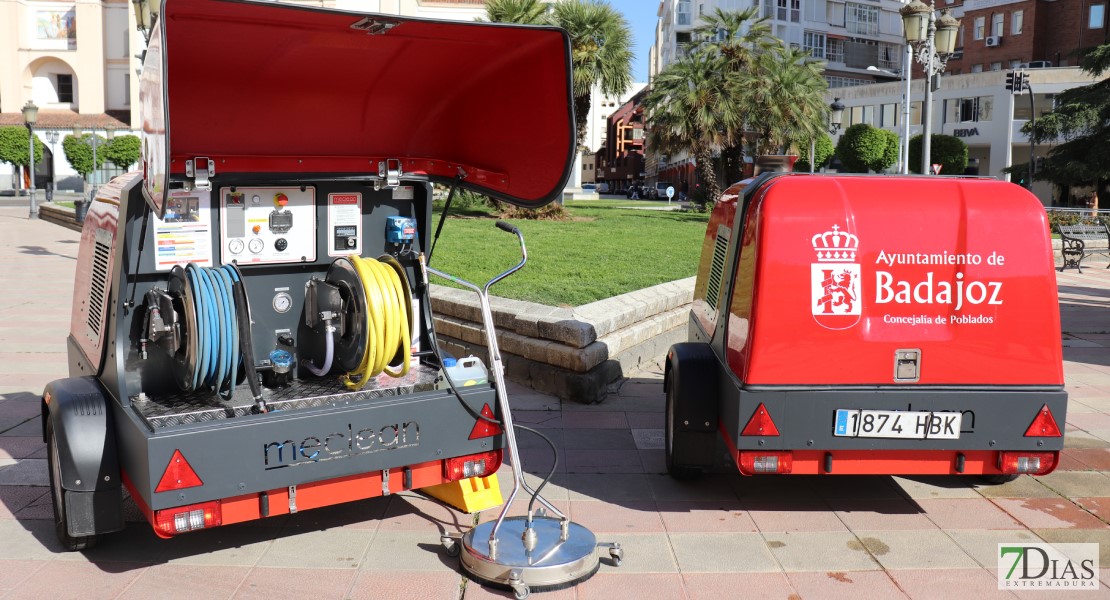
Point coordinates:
pixel 836 115
pixel 935 42
pixel 52 137
pixel 30 115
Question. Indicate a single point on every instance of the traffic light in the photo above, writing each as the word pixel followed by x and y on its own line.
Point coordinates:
pixel 1010 77
pixel 1015 82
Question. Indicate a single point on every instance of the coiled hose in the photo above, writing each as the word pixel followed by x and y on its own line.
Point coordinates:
pixel 388 324
pixel 217 336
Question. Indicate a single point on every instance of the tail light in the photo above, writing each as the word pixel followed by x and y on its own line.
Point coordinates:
pixel 173 521
pixel 758 463
pixel 472 465
pixel 1033 463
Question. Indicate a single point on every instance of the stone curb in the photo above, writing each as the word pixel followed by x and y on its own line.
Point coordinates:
pixel 574 353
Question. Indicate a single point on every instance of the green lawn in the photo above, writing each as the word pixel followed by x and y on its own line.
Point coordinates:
pixel 605 249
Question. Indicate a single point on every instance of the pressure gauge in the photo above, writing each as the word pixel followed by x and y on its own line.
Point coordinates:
pixel 235 246
pixel 283 302
pixel 256 245
pixel 256 199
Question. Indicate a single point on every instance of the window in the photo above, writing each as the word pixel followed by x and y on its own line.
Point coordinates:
pixel 890 56
pixel 839 82
pixel 1098 16
pixel 834 51
pixel 997 22
pixel 683 12
pixel 64 86
pixel 1015 64
pixel 980 23
pixel 961 110
pixel 862 19
pixel 127 90
pixel 996 66
pixel 977 68
pixel 888 115
pixel 814 44
pixel 789 10
pixel 915 113
pixel 1016 21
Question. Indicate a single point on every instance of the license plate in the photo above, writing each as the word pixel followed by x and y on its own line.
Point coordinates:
pixel 919 425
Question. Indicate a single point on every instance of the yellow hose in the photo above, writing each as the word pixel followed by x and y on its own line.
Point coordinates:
pixel 387 324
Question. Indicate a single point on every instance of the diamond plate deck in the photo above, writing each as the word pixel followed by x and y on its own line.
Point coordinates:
pixel 204 406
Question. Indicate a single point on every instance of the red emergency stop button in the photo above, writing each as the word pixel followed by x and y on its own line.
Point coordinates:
pixel 280 200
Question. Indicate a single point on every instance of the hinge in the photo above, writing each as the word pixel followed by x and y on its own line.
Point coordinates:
pixel 292 499
pixel 390 170
pixel 198 170
pixel 385 482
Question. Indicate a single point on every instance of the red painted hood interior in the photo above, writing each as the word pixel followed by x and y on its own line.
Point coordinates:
pixel 271 87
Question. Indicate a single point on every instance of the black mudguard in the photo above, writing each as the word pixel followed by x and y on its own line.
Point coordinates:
pixel 692 369
pixel 78 410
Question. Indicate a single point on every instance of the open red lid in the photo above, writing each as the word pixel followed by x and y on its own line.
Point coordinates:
pixel 264 87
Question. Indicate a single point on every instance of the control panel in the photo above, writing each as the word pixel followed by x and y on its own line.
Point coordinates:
pixel 344 224
pixel 260 225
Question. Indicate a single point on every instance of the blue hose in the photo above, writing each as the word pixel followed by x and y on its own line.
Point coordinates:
pixel 217 337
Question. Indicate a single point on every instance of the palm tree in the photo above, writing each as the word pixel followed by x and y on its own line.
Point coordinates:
pixel 525 12
pixel 739 38
pixel 691 107
pixel 600 53
pixel 786 92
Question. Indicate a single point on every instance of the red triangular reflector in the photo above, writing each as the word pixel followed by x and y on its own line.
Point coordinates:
pixel 1044 425
pixel 178 475
pixel 760 423
pixel 484 428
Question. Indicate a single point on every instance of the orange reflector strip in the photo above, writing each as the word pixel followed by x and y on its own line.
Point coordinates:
pixel 1044 425
pixel 484 428
pixel 760 423
pixel 178 475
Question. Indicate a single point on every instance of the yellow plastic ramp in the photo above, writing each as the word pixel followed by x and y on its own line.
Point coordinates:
pixel 468 495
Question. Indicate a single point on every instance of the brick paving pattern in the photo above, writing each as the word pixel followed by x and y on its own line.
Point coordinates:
pixel 723 536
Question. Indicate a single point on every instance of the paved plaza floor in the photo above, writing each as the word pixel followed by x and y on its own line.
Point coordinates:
pixel 725 536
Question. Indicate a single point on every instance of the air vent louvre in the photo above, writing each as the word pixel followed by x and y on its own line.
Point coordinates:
pixel 717 268
pixel 98 287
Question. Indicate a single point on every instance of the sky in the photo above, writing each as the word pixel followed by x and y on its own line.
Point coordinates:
pixel 641 17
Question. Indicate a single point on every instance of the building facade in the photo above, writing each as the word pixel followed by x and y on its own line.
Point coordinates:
pixel 974 107
pixel 620 160
pixel 996 35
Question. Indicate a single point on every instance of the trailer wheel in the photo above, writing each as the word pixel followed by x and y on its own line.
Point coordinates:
pixel 57 493
pixel 678 471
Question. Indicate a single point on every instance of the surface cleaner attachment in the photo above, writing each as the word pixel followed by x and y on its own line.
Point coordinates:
pixel 535 552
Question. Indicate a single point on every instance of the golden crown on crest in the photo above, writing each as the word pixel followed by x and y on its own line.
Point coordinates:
pixel 835 246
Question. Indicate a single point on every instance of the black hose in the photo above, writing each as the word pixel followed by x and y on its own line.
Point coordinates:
pixel 247 346
pixel 431 330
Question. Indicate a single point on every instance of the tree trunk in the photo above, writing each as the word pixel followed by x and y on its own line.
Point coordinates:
pixel 733 158
pixel 581 118
pixel 707 174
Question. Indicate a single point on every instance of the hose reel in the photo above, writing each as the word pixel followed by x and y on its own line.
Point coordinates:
pixel 363 308
pixel 197 321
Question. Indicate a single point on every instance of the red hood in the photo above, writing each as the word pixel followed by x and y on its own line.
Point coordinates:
pixel 263 87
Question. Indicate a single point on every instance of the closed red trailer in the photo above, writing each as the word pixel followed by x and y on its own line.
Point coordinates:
pixel 871 325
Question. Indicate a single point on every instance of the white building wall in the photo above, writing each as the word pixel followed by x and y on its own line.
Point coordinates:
pixel 986 138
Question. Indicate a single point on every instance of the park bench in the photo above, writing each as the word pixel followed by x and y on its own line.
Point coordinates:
pixel 1078 240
